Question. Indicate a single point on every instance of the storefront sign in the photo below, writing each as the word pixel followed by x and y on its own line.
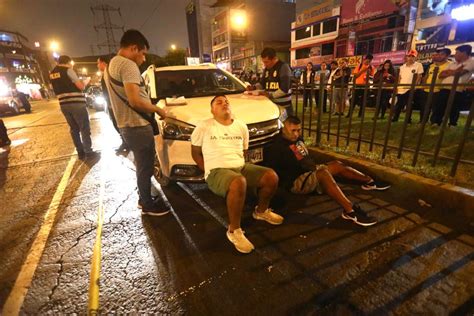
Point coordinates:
pixel 397 57
pixel 428 47
pixel 355 10
pixel 353 61
pixel 316 13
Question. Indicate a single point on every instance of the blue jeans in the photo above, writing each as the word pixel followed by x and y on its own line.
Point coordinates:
pixel 77 118
pixel 141 142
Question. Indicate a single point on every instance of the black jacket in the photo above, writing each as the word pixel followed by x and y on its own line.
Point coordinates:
pixel 288 159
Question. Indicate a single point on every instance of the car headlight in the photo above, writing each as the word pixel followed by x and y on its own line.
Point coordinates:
pixel 100 100
pixel 173 129
pixel 4 90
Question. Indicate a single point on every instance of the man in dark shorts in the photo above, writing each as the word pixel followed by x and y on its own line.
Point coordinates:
pixel 300 174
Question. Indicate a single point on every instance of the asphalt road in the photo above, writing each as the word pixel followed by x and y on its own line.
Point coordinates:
pixel 415 261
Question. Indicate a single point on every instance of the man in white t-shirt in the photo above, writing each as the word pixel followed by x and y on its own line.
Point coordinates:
pixel 464 67
pixel 409 69
pixel 218 148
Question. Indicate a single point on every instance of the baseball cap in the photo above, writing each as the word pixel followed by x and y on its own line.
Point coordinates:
pixel 412 52
pixel 444 50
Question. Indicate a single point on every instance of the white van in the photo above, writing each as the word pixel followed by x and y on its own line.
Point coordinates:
pixel 186 92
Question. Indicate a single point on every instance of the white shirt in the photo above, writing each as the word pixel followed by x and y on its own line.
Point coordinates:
pixel 406 75
pixel 331 75
pixel 468 65
pixel 222 145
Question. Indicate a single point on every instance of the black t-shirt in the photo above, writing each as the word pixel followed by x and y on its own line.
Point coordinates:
pixel 288 159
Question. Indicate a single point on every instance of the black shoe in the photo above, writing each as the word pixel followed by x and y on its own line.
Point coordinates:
pixel 81 155
pixel 157 208
pixel 5 143
pixel 375 185
pixel 359 217
pixel 92 154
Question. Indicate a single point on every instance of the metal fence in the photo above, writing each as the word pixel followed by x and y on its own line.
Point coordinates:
pixel 316 123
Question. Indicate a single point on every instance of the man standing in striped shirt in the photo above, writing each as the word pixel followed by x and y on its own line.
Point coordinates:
pixel 68 89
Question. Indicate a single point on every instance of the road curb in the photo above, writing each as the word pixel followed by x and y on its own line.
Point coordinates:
pixel 442 196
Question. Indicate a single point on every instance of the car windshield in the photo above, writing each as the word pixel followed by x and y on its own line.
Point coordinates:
pixel 195 83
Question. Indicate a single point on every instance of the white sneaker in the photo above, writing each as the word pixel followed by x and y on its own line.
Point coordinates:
pixel 239 240
pixel 269 216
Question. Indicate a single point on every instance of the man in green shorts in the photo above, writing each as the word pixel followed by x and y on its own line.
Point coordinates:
pixel 218 146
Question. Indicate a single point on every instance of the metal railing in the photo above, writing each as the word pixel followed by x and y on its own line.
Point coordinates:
pixel 316 122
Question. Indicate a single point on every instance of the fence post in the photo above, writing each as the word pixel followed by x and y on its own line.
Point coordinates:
pixel 331 104
pixel 362 109
pixel 426 114
pixel 320 111
pixel 463 140
pixel 377 110
pixel 445 118
pixel 409 107
pixel 349 114
pixel 340 114
pixel 392 106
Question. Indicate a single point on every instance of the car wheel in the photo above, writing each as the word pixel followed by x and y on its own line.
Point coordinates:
pixel 163 180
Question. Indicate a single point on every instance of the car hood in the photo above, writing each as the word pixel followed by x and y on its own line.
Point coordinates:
pixel 247 108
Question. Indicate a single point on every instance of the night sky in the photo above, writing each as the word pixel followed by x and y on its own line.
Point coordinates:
pixel 71 22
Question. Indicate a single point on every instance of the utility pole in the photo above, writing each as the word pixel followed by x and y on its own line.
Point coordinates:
pixel 111 44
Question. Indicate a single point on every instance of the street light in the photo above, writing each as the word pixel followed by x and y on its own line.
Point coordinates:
pixel 54 46
pixel 238 19
pixel 173 47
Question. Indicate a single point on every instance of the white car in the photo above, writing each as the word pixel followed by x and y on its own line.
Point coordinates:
pixel 186 92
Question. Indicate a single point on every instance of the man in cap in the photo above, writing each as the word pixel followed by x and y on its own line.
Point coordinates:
pixel 409 69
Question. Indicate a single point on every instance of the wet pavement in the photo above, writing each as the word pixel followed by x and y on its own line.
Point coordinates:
pixel 415 261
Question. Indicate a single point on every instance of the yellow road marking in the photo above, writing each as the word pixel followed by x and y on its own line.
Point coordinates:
pixel 20 289
pixel 94 285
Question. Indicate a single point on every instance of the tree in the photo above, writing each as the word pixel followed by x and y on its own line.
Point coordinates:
pixel 176 57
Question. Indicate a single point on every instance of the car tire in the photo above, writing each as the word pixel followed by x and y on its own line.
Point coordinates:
pixel 163 180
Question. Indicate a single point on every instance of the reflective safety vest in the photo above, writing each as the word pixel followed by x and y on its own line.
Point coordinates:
pixel 272 82
pixel 64 88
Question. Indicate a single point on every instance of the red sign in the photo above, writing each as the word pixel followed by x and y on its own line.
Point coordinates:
pixel 397 57
pixel 354 10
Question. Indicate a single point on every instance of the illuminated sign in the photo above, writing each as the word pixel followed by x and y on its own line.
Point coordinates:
pixel 463 13
pixel 316 13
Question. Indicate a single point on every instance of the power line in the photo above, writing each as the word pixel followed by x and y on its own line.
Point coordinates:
pixel 151 14
pixel 107 25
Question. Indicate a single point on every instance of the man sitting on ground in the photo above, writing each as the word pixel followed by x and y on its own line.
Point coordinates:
pixel 299 173
pixel 218 146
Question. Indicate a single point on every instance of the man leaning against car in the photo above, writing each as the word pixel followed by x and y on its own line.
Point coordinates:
pixel 218 146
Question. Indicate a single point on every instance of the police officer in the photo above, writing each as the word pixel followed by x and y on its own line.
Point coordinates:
pixel 276 80
pixel 68 89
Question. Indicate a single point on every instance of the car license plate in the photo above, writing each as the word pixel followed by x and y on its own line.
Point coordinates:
pixel 254 155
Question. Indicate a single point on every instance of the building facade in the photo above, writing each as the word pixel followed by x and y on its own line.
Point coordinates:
pixel 21 67
pixel 443 24
pixel 241 29
pixel 199 13
pixel 314 33
pixel 351 29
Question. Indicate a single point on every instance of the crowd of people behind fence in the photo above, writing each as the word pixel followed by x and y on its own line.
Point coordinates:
pixel 412 75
